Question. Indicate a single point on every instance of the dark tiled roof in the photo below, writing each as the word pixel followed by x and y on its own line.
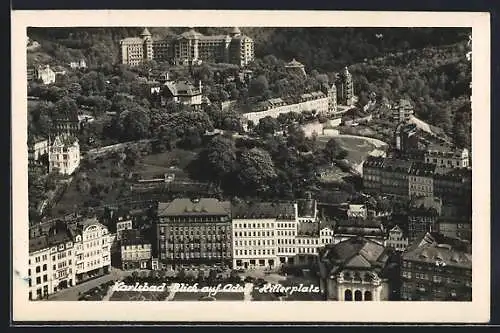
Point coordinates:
pixel 434 247
pixel 263 210
pixel 56 235
pixel 184 206
pixel 422 169
pixel 355 252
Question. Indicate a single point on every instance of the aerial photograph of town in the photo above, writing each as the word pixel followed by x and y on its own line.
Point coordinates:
pixel 249 164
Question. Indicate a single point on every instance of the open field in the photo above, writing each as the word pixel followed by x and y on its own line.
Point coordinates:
pixel 357 148
pixel 174 161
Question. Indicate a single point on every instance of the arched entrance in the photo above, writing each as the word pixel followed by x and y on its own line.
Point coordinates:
pixel 348 295
pixel 368 296
pixel 358 295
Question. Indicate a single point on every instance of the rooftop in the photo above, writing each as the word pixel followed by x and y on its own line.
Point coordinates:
pixel 57 234
pixel 354 253
pixel 422 169
pixel 306 207
pixel 434 247
pixel 264 210
pixel 182 88
pixel 197 207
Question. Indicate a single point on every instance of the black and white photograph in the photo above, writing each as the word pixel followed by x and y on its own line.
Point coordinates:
pixel 252 165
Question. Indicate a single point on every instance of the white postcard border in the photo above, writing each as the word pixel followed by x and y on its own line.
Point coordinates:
pixel 476 311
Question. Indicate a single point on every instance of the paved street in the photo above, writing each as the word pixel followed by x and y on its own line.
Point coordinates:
pixel 71 294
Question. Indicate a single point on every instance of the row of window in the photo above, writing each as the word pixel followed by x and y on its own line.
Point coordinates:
pixel 254 242
pixel 255 252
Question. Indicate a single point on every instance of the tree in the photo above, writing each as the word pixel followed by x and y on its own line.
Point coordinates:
pixel 221 157
pixel 257 170
pixel 258 86
pixel 332 150
pixel 133 124
pixel 267 126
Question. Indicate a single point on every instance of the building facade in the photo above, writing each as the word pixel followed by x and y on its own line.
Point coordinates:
pixel 421 180
pixel 396 239
pixel 136 252
pixel 188 48
pixel 387 175
pixel 38 149
pixel 64 154
pixel 323 102
pixel 46 75
pixel 259 233
pixel 354 270
pixel 51 264
pixel 447 159
pixel 437 268
pixel 423 214
pixel 93 249
pixel 454 186
pixel 402 111
pixel 194 232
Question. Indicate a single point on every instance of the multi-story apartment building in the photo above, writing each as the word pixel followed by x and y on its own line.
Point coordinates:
pixel 93 249
pixel 454 186
pixel 423 214
pixel 324 102
pixel 66 254
pixel 51 264
pixel 402 111
pixel 396 239
pixel 189 48
pixel 386 175
pixel 456 222
pixel 437 268
pixel 354 270
pixel 193 232
pixel 258 233
pixel 345 88
pixel 135 250
pixel 447 159
pixel 64 154
pixel 46 75
pixel 421 180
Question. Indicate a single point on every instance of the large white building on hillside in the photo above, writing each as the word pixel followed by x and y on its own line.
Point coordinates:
pixel 64 154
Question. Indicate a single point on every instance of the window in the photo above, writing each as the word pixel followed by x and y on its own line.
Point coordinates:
pixel 38 280
pixel 45 278
pixel 38 269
